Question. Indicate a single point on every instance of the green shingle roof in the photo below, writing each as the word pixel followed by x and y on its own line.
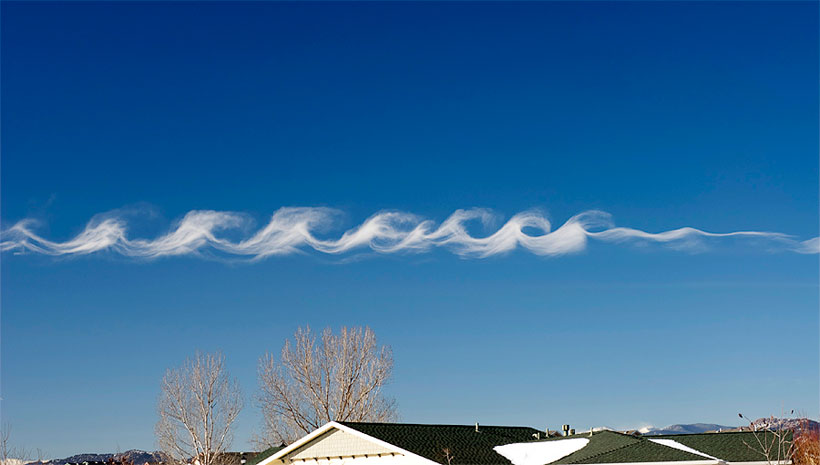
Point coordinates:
pixel 465 445
pixel 612 447
pixel 740 446
pixel 264 454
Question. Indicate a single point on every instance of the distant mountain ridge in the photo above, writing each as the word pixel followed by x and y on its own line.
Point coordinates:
pixel 135 456
pixel 692 428
pixel 771 423
pixel 774 423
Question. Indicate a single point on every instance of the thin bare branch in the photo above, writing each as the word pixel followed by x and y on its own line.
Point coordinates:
pixel 337 377
pixel 197 407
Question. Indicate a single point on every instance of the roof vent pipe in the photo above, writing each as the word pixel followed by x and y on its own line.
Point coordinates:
pixel 476 427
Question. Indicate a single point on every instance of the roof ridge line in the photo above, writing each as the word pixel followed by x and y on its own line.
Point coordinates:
pixel 433 424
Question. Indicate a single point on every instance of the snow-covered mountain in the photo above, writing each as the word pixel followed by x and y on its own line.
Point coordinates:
pixel 786 423
pixel 761 423
pixel 134 456
pixel 684 429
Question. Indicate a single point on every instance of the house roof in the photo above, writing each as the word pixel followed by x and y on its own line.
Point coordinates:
pixel 461 443
pixel 739 446
pixel 235 458
pixel 613 447
pixel 264 454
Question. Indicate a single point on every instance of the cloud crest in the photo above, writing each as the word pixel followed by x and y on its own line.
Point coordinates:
pixel 294 230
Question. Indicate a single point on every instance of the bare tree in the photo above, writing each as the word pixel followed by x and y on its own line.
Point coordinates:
pixel 5 444
pixel 337 378
pixel 448 455
pixel 197 407
pixel 772 440
pixel 10 454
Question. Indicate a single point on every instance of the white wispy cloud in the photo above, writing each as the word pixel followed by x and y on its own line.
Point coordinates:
pixel 292 230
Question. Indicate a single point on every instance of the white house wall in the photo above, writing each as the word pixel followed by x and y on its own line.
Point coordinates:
pixel 337 447
pixel 395 459
pixel 337 443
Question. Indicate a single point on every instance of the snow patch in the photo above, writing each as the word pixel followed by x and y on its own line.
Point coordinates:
pixel 676 445
pixel 540 453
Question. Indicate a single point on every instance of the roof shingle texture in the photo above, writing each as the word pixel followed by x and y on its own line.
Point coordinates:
pixel 612 447
pixel 740 446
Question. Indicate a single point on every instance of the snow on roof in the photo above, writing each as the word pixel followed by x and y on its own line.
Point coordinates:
pixel 539 453
pixel 676 445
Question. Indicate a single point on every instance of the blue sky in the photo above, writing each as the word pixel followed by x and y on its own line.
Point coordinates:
pixel 664 115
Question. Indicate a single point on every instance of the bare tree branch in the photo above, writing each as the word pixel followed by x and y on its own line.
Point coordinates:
pixel 337 377
pixel 197 407
pixel 775 444
pixel 9 453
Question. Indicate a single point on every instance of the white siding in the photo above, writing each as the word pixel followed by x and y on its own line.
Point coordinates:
pixel 361 460
pixel 336 443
